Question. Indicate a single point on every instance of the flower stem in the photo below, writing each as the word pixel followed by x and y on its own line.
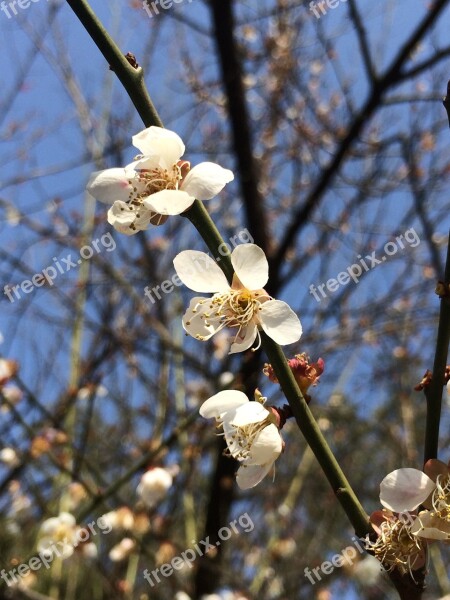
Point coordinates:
pixel 131 77
pixel 316 441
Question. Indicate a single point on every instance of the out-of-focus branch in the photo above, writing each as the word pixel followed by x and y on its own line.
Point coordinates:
pixel 425 65
pixel 419 195
pixel 446 102
pixel 433 392
pixel 231 67
pixel 145 459
pixel 363 41
pixel 391 77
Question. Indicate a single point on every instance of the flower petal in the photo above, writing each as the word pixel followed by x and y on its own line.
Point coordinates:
pixel 228 400
pixel 431 527
pixel 252 412
pixel 405 489
pixel 266 447
pixel 110 185
pixel 161 142
pixel 250 475
pixel 121 218
pixel 245 339
pixel 206 180
pixel 200 272
pixel 146 163
pixel 250 265
pixel 236 443
pixel 194 319
pixel 280 322
pixel 169 202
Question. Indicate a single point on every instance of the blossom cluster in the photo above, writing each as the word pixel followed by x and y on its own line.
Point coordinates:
pixel 61 536
pixel 146 192
pixel 157 184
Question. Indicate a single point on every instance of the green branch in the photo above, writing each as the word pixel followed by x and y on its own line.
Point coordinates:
pixel 315 439
pixel 131 77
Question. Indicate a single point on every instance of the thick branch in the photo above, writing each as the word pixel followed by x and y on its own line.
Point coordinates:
pixel 230 64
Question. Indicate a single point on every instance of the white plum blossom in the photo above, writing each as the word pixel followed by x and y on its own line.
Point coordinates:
pixel 154 485
pixel 243 304
pixel 406 489
pixel 156 184
pixel 250 431
pixel 58 532
pixel 9 457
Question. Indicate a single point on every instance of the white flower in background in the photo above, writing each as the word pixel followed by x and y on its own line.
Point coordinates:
pixel 89 550
pixel 122 550
pixel 154 485
pixel 20 503
pixel 156 184
pixel 92 390
pixel 366 571
pixel 76 493
pixel 243 305
pixel 122 518
pixel 8 368
pixel 9 457
pixel 59 532
pixel 251 434
pixel 12 395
